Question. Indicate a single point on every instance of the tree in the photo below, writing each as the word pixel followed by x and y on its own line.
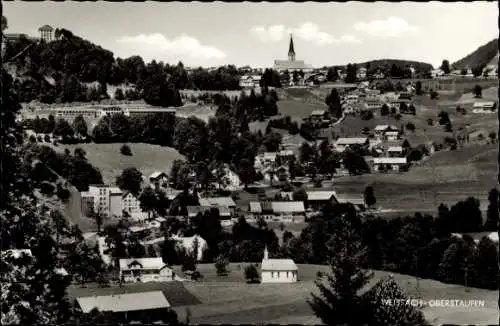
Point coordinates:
pixel 130 180
pixel 410 126
pixel 418 88
pixel 445 66
pixel 434 95
pixel 246 172
pixel 80 126
pixel 221 264
pixel 384 110
pixel 492 215
pixel 63 129
pixel 486 264
pixel 119 96
pixel 381 314
pixel 148 200
pixel 369 195
pixel 125 150
pixel 443 118
pixel 334 104
pixel 478 91
pixel 332 74
pixel 340 302
pixel 300 195
pixel 251 274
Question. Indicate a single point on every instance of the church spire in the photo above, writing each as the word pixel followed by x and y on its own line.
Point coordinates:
pixel 291 50
pixel 266 253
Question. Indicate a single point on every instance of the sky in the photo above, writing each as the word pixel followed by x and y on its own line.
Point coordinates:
pixel 256 34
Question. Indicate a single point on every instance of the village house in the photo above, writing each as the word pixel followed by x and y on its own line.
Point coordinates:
pixel 388 163
pixel 278 270
pixel 483 107
pixel 225 215
pixel 230 180
pixel 279 174
pixel 380 131
pixel 158 178
pixel 285 211
pixel 351 99
pixel 319 115
pixel 219 202
pixel 285 156
pixel 143 270
pixel 131 203
pixel 265 159
pixel 342 143
pixel 317 199
pixel 395 151
pixel 357 201
pixel 128 306
pixel 372 104
pixel 247 81
pixel 391 135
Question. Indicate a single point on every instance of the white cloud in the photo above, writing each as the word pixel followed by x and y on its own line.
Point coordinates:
pixel 157 46
pixel 307 31
pixel 391 27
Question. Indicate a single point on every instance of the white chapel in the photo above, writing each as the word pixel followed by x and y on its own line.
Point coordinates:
pixel 278 270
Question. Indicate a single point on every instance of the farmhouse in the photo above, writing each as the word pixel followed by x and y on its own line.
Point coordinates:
pixel 129 306
pixel 395 151
pixel 342 143
pixel 250 81
pixel 278 270
pixel 390 163
pixel 372 104
pixel 318 198
pixel 319 115
pixel 219 202
pixel 224 213
pixel 158 178
pixel 391 135
pixel 379 130
pixel 131 203
pixel 265 159
pixel 142 270
pixel 357 201
pixel 289 211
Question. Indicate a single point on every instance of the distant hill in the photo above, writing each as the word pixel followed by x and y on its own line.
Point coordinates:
pixel 481 57
pixel 386 64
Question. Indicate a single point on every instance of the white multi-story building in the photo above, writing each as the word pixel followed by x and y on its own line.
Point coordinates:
pixel 104 199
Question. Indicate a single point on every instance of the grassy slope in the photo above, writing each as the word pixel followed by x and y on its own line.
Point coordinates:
pixel 146 158
pixel 230 300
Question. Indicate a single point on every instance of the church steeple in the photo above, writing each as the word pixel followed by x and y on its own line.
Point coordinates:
pixel 266 253
pixel 291 50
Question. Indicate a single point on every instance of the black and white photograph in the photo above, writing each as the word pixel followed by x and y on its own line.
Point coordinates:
pixel 239 163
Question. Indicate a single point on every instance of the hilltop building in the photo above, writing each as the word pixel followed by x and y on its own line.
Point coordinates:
pixel 46 33
pixel 291 64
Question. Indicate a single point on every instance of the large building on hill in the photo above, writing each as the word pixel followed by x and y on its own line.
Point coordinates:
pixel 291 64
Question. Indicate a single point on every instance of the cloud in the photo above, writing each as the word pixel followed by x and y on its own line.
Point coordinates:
pixel 391 27
pixel 157 45
pixel 307 31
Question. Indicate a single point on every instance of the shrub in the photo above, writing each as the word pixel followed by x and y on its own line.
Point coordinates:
pixel 410 126
pixel 46 138
pixel 221 266
pixel 251 274
pixel 366 115
pixel 434 95
pixel 125 150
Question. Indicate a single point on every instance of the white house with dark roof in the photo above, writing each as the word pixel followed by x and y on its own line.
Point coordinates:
pixel 278 270
pixel 389 163
pixel 158 178
pixel 143 270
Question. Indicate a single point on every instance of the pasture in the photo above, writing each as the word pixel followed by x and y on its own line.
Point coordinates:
pixel 108 159
pixel 229 300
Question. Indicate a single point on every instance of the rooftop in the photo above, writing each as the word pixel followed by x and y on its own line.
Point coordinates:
pixel 351 140
pixel 278 265
pixel 320 195
pixel 217 201
pixel 124 302
pixel 146 263
pixel 288 207
pixel 389 160
pixel 255 207
pixel 395 149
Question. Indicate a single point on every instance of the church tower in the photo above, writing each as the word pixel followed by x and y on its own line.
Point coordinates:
pixel 291 50
pixel 266 253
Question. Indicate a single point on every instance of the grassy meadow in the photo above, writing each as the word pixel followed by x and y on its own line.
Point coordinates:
pixel 229 300
pixel 108 159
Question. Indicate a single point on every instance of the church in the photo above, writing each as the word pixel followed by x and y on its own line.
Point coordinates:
pixel 278 270
pixel 291 64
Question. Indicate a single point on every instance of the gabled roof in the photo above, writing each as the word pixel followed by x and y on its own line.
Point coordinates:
pixel 124 302
pixel 320 195
pixel 395 149
pixel 351 141
pixel 157 174
pixel 288 207
pixel 318 112
pixel 46 27
pixel 389 160
pixel 217 201
pixel 195 210
pixel 115 191
pixel 355 200
pixel 483 104
pixel 146 263
pixel 385 127
pixel 278 265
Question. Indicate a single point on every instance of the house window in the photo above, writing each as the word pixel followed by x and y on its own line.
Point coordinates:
pixel 278 274
pixel 272 274
pixel 286 274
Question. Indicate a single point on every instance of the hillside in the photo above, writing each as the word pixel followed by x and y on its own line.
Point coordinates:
pixel 481 57
pixel 386 64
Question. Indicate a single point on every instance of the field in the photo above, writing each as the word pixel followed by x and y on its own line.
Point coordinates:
pixel 107 158
pixel 229 300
